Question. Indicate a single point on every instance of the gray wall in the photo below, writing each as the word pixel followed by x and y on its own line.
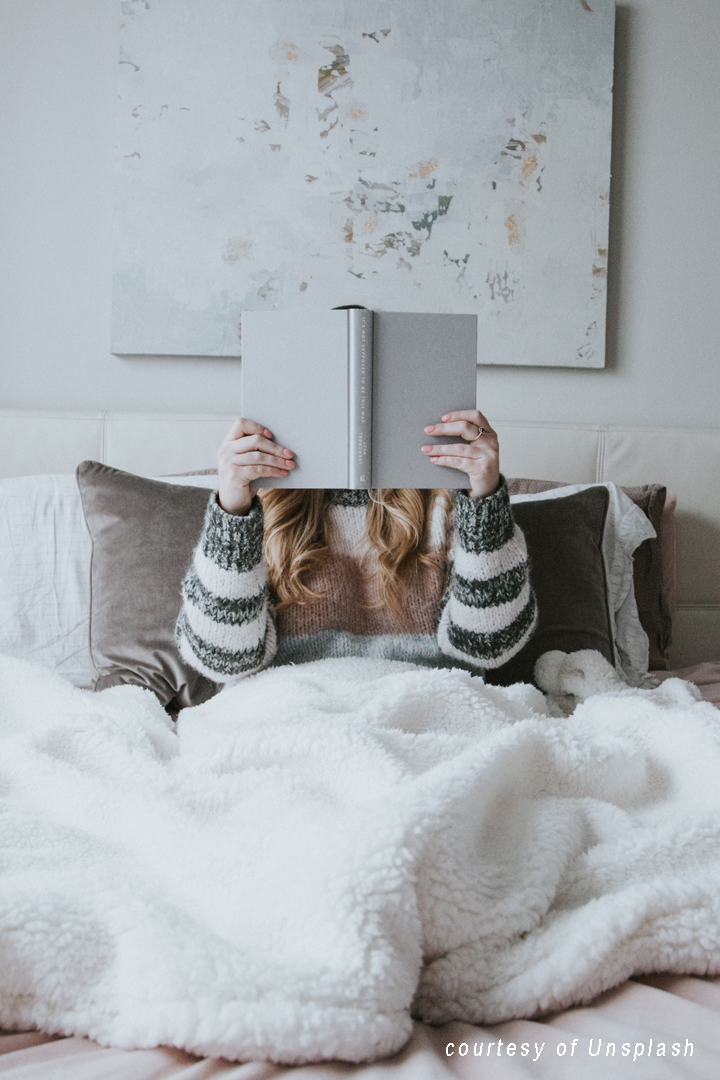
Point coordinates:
pixel 58 68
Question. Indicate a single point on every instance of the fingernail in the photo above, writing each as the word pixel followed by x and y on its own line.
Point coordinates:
pixel 433 459
pixel 446 416
pixel 431 428
pixel 291 465
pixel 268 434
pixel 426 449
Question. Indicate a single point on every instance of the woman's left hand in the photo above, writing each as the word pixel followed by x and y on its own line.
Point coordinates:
pixel 478 455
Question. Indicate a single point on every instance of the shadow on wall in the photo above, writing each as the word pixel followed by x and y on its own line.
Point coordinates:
pixel 624 26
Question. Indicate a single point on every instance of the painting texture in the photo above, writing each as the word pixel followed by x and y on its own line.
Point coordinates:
pixel 408 156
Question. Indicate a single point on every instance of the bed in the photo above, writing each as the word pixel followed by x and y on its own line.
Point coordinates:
pixel 677 1011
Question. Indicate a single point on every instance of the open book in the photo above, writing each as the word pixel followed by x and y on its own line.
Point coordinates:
pixel 350 392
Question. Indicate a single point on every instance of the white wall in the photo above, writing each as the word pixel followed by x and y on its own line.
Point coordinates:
pixel 58 66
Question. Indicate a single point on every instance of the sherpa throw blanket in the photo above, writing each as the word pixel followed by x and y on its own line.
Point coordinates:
pixel 321 851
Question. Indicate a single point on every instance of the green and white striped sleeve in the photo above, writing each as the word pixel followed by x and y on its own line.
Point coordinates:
pixel 489 609
pixel 225 629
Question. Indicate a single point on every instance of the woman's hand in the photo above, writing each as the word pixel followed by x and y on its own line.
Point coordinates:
pixel 478 456
pixel 246 453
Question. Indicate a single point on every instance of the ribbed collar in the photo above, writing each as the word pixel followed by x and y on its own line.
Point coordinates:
pixel 347 497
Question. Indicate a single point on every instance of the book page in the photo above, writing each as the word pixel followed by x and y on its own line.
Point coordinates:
pixel 295 382
pixel 424 366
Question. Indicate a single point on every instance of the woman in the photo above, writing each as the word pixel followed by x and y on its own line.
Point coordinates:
pixel 287 576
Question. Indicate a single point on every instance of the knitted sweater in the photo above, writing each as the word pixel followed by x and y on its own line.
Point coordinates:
pixel 478 619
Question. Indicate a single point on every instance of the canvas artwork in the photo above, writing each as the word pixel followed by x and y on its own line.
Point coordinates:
pixel 399 154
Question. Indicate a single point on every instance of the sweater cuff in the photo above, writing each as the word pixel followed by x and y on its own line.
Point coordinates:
pixel 484 524
pixel 233 541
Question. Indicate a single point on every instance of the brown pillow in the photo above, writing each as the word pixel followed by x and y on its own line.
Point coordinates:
pixel 649 577
pixel 564 539
pixel 143 535
pixel 652 590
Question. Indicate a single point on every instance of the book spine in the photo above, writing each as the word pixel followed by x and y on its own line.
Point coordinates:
pixel 360 351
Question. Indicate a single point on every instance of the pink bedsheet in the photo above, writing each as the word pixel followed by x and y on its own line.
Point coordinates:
pixel 639 1018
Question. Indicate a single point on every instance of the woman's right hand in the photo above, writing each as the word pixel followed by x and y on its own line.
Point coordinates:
pixel 246 453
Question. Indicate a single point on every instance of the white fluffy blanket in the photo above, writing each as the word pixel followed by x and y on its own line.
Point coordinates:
pixel 322 850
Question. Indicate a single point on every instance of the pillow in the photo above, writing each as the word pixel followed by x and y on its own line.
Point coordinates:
pixel 564 538
pixel 626 527
pixel 45 551
pixel 144 532
pixel 653 567
pixel 143 535
pixel 667 552
pixel 44 580
pixel 649 571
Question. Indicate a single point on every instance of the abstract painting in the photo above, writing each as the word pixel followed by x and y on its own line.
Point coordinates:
pixel 400 154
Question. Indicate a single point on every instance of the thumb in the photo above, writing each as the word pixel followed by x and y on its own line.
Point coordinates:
pixel 236 430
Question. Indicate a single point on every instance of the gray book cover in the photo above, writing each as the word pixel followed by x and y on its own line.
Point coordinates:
pixel 350 392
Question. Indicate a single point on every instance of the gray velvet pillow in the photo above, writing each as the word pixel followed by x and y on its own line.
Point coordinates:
pixel 564 539
pixel 143 535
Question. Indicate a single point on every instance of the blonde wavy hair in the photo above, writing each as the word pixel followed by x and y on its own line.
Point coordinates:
pixel 397 527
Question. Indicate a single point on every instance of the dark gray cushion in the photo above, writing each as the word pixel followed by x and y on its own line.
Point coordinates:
pixel 143 535
pixel 567 571
pixel 651 589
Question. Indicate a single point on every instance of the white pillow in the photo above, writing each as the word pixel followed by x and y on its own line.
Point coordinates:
pixel 626 526
pixel 45 552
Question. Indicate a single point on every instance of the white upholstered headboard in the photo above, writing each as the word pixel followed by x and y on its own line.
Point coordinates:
pixel 686 460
